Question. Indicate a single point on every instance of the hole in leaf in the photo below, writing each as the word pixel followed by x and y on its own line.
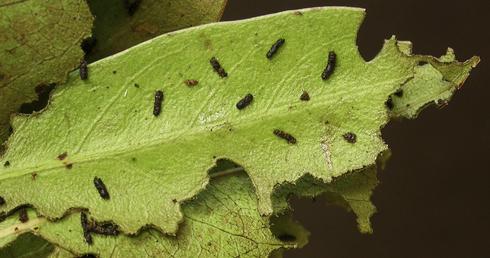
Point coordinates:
pixel 287 230
pixel 224 167
pixel 42 92
pixel 287 238
pixel 88 45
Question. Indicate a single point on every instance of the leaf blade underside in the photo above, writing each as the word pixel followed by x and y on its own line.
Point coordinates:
pixel 140 157
pixel 222 221
pixel 116 28
pixel 39 45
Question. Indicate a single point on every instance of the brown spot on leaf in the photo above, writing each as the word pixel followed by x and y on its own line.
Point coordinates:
pixel 305 96
pixel 62 156
pixel 191 82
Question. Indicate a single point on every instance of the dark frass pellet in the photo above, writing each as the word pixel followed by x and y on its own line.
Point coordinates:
pixel 275 48
pixel 399 93
pixel 86 228
pixel 304 96
pixel 217 67
pixel 62 156
pixel 23 217
pixel 350 137
pixel 101 188
pixel 83 70
pixel 6 164
pixel 2 201
pixel 332 58
pixel 157 105
pixel 389 103
pixel 281 134
pixel 191 83
pixel 243 103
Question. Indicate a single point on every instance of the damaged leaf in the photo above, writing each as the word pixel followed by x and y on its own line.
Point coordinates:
pixel 435 81
pixel 39 45
pixel 122 24
pixel 153 164
pixel 351 191
pixel 222 221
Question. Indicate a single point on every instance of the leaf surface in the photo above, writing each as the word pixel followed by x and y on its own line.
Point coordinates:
pixel 351 191
pixel 223 221
pixel 435 81
pixel 117 27
pixel 150 164
pixel 39 45
pixel 28 246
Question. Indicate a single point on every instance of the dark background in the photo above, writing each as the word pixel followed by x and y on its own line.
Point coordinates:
pixel 433 200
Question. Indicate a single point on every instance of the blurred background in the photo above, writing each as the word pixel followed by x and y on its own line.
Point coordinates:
pixel 433 200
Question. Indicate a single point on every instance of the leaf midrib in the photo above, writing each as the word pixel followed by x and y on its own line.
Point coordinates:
pixel 244 121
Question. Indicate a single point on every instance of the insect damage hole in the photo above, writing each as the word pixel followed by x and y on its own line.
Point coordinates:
pixel 286 136
pixel 275 47
pixel 157 105
pixel 245 101
pixel 43 92
pixel 224 167
pixel 101 188
pixel 332 59
pixel 217 67
pixel 88 44
pixel 286 237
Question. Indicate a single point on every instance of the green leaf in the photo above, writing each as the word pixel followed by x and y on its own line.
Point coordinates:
pixel 435 81
pixel 28 246
pixel 116 30
pixel 351 191
pixel 11 227
pixel 60 253
pixel 221 221
pixel 39 45
pixel 152 164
